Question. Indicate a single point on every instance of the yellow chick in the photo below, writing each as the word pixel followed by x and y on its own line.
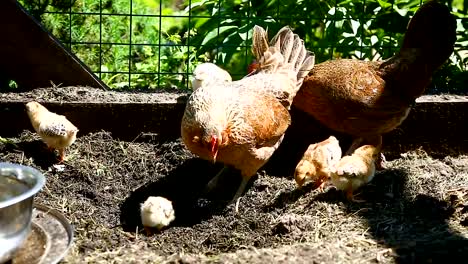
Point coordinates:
pixel 316 163
pixel 55 130
pixel 356 170
pixel 209 73
pixel 156 212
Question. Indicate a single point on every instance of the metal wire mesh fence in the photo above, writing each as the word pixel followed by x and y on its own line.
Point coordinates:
pixel 157 43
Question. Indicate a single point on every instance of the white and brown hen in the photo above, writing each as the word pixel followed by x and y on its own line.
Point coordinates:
pixel 242 123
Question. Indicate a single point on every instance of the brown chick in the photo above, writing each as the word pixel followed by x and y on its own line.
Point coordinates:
pixel 242 123
pixel 354 171
pixel 55 130
pixel 366 99
pixel 317 161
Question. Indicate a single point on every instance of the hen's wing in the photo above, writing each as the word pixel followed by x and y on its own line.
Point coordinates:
pixel 268 119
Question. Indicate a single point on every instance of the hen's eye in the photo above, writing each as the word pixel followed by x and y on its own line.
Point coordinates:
pixel 195 139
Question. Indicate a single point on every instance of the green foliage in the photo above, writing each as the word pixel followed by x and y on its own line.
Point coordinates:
pixel 178 36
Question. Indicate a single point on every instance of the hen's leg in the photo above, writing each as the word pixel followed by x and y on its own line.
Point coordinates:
pixel 214 181
pixel 356 144
pixel 375 141
pixel 240 191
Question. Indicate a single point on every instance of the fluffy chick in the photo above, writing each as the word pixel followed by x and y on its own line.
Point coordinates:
pixel 156 212
pixel 354 171
pixel 209 74
pixel 55 130
pixel 316 163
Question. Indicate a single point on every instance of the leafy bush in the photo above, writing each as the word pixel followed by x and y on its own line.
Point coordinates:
pixel 175 37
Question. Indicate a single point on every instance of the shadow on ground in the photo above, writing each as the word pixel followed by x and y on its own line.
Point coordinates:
pixel 35 149
pixel 415 227
pixel 185 187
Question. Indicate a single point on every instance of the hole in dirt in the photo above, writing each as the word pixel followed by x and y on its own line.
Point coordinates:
pixel 185 186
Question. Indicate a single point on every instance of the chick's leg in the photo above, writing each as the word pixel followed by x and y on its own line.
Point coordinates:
pixel 148 231
pixel 380 163
pixel 350 196
pixel 61 155
pixel 321 182
pixel 321 187
pixel 49 148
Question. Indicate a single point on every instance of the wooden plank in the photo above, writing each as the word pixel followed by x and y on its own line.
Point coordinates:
pixel 438 127
pixel 33 57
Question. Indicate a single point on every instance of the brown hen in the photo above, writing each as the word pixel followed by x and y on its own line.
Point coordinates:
pixel 242 123
pixel 366 99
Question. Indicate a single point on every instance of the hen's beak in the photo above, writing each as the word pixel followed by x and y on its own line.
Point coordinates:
pixel 214 147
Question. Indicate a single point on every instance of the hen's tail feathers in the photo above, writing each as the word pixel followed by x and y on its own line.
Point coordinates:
pixel 432 30
pixel 259 42
pixel 285 52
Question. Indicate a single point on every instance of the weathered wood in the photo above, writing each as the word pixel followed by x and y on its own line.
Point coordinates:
pixel 123 120
pixel 440 127
pixel 33 58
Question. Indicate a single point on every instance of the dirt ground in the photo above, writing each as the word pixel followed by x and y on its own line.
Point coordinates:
pixel 416 210
pixel 88 94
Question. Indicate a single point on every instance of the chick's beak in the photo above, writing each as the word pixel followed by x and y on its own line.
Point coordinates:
pixel 214 147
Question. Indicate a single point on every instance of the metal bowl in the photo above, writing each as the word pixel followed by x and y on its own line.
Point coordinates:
pixel 18 185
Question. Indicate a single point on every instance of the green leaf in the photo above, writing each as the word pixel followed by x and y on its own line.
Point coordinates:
pixel 212 35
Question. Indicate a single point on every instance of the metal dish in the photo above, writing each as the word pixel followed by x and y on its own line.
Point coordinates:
pixel 49 241
pixel 18 185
